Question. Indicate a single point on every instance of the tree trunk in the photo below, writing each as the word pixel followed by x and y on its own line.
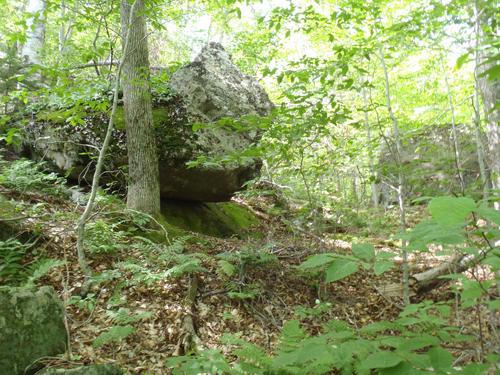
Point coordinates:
pixel 80 226
pixel 373 184
pixel 35 37
pixel 476 105
pixel 143 185
pixel 401 179
pixel 489 88
pixel 456 148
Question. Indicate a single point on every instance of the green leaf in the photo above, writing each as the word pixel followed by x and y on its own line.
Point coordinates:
pixel 492 260
pixel 381 266
pixel 402 368
pixel 474 369
pixel 451 210
pixel 494 305
pixel 418 342
pixel 377 327
pixel 441 359
pixel 339 269
pixel 363 251
pixel 317 261
pixel 462 60
pixel 381 360
pixel 429 231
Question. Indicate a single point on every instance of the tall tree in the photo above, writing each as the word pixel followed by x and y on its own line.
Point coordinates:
pixel 143 186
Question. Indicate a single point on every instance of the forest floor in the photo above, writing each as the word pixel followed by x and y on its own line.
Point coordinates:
pixel 252 296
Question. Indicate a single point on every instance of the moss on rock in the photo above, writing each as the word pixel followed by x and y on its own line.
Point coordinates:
pixel 31 327
pixel 216 219
pixel 160 117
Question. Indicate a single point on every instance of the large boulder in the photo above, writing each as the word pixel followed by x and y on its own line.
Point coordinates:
pixel 209 89
pixel 31 327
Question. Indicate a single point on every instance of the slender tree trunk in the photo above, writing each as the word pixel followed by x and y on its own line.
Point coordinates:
pixel 477 116
pixel 456 147
pixel 82 221
pixel 401 184
pixel 35 37
pixel 373 184
pixel 143 186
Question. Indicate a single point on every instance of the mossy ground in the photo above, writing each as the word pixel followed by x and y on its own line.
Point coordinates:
pixel 224 219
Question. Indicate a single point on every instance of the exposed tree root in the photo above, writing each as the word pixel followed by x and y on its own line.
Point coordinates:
pixel 189 342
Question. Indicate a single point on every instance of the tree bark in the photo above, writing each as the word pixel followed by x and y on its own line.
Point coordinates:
pixel 401 179
pixel 489 87
pixel 476 105
pixel 143 186
pixel 35 37
pixel 373 184
pixel 456 148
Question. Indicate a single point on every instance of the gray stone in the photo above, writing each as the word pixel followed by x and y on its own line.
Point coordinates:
pixel 31 327
pixel 83 370
pixel 209 89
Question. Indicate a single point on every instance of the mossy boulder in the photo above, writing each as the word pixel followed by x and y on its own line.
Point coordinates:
pixel 31 327
pixel 208 91
pixel 84 370
pixel 224 219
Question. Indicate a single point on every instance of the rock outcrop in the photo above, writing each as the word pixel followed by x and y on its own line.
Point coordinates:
pixel 31 327
pixel 209 89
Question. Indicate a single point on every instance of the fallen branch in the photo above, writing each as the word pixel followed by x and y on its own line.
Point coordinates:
pixel 432 278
